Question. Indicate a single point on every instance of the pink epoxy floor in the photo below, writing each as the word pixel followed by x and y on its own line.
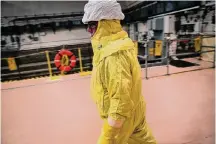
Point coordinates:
pixel 180 109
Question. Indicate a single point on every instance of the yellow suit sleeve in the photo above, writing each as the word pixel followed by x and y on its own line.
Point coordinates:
pixel 118 80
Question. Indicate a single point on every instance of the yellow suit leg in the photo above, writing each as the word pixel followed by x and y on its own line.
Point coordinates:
pixel 135 130
pixel 142 135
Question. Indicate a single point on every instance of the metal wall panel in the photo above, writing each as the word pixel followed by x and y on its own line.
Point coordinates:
pixel 159 24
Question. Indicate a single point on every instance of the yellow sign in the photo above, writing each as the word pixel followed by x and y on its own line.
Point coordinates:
pixel 151 51
pixel 12 64
pixel 197 44
pixel 158 48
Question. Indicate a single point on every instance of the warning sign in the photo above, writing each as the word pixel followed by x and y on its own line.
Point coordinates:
pixel 197 44
pixel 158 48
pixel 12 64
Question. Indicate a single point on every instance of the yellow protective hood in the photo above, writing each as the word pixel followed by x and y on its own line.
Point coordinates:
pixel 108 39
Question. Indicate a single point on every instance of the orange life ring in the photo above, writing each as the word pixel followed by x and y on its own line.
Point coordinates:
pixel 58 60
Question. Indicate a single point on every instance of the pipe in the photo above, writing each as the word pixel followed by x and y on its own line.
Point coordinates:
pixel 174 12
pixel 208 46
pixel 152 64
pixel 142 57
pixel 185 54
pixel 160 58
pixel 207 51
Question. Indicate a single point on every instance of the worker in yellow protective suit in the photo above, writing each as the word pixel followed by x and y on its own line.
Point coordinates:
pixel 116 77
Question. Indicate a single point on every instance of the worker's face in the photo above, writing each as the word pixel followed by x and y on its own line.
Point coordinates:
pixel 92 27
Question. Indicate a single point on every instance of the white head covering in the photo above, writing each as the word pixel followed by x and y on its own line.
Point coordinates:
pixel 96 10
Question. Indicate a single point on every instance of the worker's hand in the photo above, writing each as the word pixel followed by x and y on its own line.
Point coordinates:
pixel 115 123
pixel 111 129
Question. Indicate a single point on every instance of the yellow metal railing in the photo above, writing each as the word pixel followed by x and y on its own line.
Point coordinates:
pixel 136 47
pixel 12 66
pixel 197 44
pixel 82 73
pixel 48 63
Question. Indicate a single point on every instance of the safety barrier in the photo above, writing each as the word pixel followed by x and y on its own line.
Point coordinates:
pixel 168 57
pixel 42 64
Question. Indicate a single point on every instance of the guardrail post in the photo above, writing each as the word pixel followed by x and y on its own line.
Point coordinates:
pixel 48 63
pixel 80 60
pixel 146 62
pixel 146 67
pixel 136 47
pixel 167 56
pixel 90 56
pixel 214 60
pixel 201 47
pixel 82 73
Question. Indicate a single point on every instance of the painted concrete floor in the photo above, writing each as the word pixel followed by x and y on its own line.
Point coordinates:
pixel 180 108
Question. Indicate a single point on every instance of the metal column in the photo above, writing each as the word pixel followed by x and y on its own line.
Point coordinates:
pixel 146 62
pixel 201 39
pixel 214 60
pixel 167 56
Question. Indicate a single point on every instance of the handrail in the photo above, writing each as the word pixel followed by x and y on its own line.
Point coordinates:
pixel 167 58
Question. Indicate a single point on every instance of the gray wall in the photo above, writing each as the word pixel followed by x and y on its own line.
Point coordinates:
pixel 21 8
pixel 208 27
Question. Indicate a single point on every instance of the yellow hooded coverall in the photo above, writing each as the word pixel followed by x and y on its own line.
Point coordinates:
pixel 116 86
